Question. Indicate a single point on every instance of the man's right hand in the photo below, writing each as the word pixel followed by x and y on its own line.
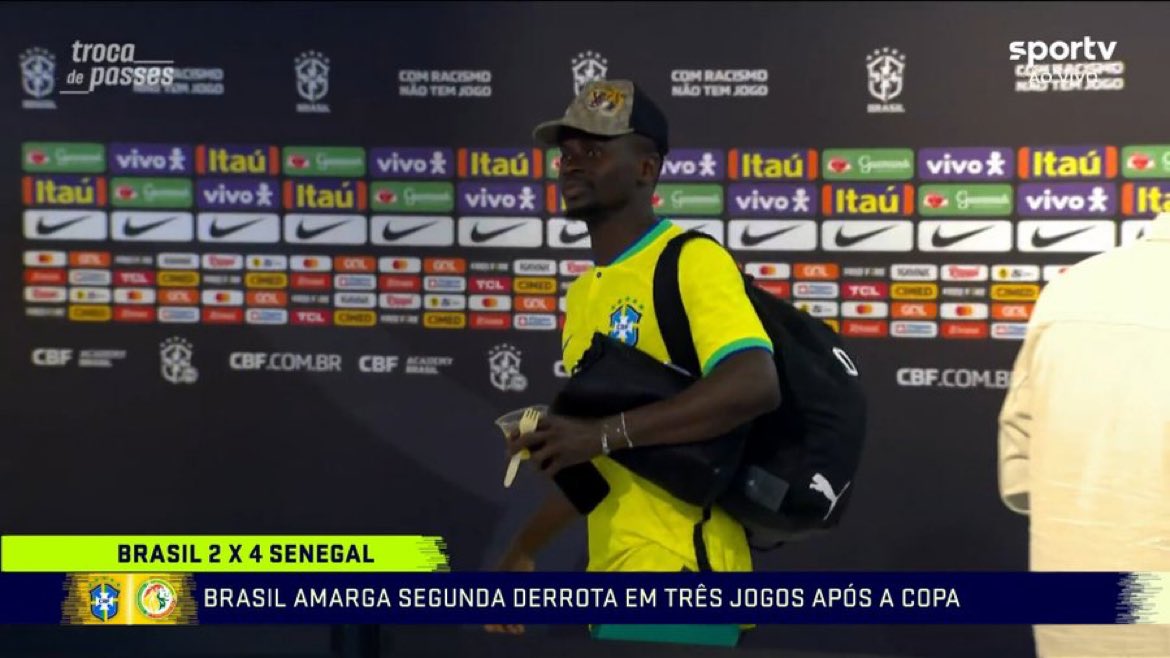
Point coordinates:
pixel 513 561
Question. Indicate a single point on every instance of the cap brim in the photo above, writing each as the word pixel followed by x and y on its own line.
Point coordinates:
pixel 549 132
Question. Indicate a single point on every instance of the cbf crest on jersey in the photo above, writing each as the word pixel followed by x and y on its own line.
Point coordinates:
pixel 624 320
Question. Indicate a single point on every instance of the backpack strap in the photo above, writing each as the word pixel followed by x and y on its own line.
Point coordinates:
pixel 668 305
pixel 675 328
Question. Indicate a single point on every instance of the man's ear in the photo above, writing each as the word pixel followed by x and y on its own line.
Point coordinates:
pixel 651 168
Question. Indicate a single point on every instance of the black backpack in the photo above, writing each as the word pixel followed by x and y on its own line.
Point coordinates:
pixel 796 477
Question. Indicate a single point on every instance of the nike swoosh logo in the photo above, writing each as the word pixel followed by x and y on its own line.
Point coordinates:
pixel 572 238
pixel 938 240
pixel 133 231
pixel 390 236
pixel 308 234
pixel 842 240
pixel 49 229
pixel 478 236
pixel 750 240
pixel 1041 241
pixel 565 345
pixel 217 231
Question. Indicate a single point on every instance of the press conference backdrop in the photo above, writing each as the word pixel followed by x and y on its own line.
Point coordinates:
pixel 290 291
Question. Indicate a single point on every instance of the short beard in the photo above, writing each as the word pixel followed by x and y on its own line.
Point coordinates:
pixel 590 214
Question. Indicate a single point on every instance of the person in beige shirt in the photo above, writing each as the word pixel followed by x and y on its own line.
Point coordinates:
pixel 1084 434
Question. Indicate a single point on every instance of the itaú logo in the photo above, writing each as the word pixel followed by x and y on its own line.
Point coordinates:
pixel 960 378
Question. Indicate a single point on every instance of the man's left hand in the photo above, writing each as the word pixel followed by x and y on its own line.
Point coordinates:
pixel 559 442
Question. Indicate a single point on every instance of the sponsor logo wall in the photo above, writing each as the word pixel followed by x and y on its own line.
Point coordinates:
pixel 467 237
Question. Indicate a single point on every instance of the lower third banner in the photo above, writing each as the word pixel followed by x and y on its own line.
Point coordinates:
pixel 585 598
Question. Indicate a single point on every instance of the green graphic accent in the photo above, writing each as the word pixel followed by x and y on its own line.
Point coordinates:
pixel 685 199
pixel 552 164
pixel 63 157
pixel 411 197
pixel 127 192
pixel 340 161
pixel 965 200
pixel 1145 161
pixel 867 164
pixel 224 553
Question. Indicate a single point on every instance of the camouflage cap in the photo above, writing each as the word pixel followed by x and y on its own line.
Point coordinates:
pixel 609 108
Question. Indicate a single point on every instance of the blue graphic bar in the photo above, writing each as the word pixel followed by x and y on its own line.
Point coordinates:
pixel 582 598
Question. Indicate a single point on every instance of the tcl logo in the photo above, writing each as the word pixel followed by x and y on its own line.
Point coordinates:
pixel 823 271
pixel 318 318
pixel 865 290
pixel 489 284
pixel 133 278
pixel 51 357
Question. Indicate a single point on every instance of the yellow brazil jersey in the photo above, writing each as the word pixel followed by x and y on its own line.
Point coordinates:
pixel 639 526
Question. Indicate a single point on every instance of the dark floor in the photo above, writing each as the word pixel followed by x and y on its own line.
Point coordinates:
pixel 317 642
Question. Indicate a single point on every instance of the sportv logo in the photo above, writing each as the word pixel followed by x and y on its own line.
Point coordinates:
pixel 955 378
pixel 1059 51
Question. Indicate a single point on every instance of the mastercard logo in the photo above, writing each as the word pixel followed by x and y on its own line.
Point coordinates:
pixel 223 297
pixel 491 303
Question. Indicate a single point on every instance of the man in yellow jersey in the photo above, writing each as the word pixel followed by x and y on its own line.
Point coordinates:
pixel 613 140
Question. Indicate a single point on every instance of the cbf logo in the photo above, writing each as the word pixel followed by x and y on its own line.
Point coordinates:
pixel 312 69
pixel 504 364
pixel 103 599
pixel 38 78
pixel 175 355
pixel 887 71
pixel 624 319
pixel 588 66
